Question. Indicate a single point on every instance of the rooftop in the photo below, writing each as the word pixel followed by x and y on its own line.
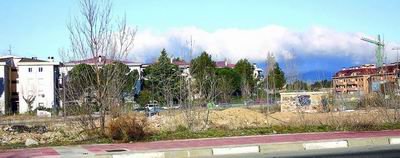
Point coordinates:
pixel 366 69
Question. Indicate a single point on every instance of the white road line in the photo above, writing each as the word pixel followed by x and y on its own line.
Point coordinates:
pixel 236 150
pixel 141 155
pixel 325 145
pixel 394 141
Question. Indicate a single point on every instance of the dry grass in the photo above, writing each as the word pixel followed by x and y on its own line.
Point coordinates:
pixel 128 127
pixel 20 117
pixel 238 118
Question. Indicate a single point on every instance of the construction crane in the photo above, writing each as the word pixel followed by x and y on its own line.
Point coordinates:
pixel 380 46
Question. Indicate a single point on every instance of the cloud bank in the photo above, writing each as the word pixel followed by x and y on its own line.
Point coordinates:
pixel 254 44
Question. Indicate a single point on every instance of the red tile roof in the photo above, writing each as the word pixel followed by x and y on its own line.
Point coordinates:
pixel 96 59
pixel 365 70
pixel 223 64
pixel 180 63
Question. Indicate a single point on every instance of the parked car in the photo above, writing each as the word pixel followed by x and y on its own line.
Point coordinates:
pixel 152 109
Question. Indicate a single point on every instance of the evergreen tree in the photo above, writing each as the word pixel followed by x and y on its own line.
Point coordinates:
pixel 276 77
pixel 162 79
pixel 245 70
pixel 203 71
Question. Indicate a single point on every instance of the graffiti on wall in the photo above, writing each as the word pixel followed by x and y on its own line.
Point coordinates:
pixel 303 100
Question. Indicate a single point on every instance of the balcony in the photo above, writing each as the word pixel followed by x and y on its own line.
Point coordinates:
pixel 351 82
pixel 340 89
pixel 340 83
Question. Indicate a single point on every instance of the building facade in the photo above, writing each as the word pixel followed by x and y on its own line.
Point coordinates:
pixel 5 94
pixel 27 83
pixel 366 78
pixel 37 84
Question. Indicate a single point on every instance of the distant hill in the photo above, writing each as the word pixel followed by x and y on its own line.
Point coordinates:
pixel 316 75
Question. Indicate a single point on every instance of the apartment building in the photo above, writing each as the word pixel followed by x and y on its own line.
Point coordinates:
pixel 5 85
pixel 365 79
pixel 28 82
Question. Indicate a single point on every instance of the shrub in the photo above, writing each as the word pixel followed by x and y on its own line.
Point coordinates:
pixel 128 127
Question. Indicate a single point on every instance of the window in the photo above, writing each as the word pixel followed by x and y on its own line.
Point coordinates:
pixel 30 69
pixel 40 69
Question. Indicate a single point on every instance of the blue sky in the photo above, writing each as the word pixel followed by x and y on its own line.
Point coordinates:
pixel 38 27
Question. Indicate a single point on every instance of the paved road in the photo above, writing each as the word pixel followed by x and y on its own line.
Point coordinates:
pixel 370 152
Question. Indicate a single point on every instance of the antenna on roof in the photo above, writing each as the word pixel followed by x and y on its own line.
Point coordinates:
pixel 9 49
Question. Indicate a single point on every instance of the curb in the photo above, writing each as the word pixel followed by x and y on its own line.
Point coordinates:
pixel 256 148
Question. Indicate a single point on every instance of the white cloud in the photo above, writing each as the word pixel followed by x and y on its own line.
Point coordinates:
pixel 254 44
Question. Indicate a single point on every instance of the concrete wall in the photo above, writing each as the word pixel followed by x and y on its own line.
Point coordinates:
pixel 303 101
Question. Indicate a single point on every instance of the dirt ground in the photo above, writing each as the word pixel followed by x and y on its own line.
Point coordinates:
pixel 200 119
pixel 234 118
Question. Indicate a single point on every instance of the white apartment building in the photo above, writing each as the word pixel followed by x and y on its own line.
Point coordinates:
pixel 38 79
pixel 28 80
pixel 4 86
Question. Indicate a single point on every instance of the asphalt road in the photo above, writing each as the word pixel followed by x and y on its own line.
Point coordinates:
pixel 370 152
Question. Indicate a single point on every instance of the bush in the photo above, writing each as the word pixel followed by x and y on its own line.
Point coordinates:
pixel 128 127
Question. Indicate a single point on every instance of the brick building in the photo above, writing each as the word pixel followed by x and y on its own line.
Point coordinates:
pixel 366 78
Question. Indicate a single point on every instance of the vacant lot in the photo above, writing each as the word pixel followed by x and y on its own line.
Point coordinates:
pixel 228 122
pixel 235 118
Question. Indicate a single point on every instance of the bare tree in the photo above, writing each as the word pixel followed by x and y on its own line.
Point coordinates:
pixel 269 70
pixel 29 98
pixel 29 101
pixel 94 35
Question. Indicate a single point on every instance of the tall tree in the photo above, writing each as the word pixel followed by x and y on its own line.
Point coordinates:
pixel 277 77
pixel 245 70
pixel 229 82
pixel 121 74
pixel 203 71
pixel 95 35
pixel 163 79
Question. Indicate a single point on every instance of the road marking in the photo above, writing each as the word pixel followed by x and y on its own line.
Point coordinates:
pixel 141 155
pixel 236 150
pixel 325 145
pixel 394 141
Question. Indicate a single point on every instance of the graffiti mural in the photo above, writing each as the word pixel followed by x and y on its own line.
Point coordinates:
pixel 306 101
pixel 303 100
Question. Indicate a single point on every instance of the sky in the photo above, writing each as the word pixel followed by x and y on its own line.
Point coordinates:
pixel 314 35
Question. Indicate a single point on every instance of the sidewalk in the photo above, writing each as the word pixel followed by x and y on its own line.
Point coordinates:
pixel 211 146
